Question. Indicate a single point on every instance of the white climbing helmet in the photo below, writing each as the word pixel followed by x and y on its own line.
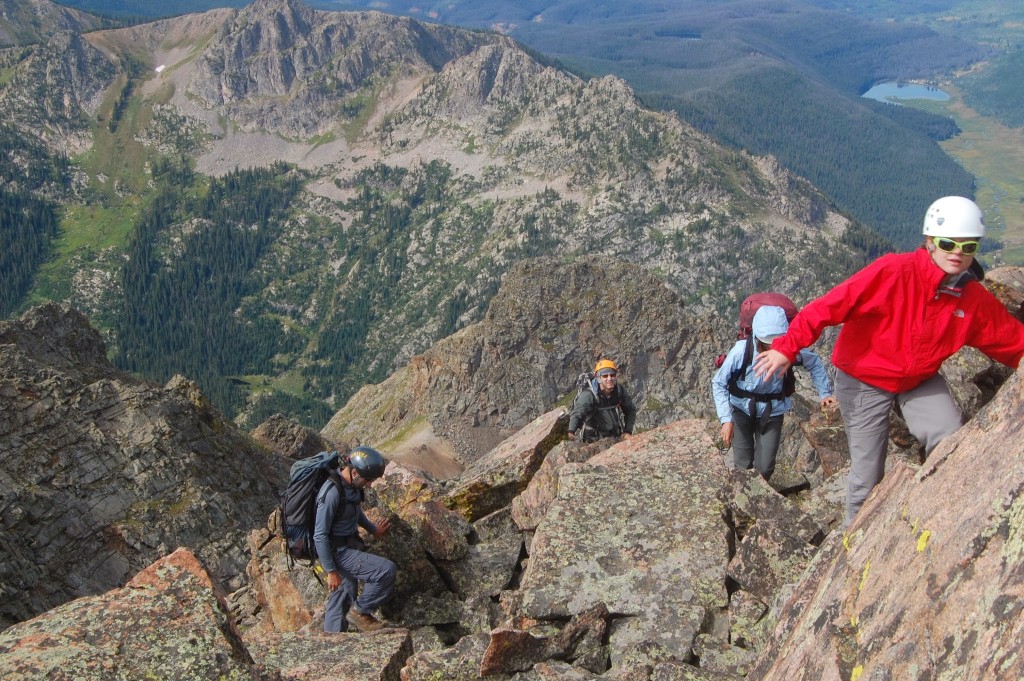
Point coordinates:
pixel 954 216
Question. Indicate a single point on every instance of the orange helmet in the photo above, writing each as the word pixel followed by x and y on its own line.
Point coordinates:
pixel 605 364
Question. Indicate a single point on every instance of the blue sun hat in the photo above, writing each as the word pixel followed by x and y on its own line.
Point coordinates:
pixel 770 323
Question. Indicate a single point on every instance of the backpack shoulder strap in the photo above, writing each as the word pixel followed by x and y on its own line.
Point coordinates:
pixel 734 378
pixel 748 357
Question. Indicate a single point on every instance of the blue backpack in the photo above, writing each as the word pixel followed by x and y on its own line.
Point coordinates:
pixel 298 502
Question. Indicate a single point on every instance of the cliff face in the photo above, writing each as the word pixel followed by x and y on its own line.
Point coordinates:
pixel 283 67
pixel 101 473
pixel 928 581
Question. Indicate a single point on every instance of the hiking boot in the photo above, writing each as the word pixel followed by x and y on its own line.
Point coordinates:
pixel 362 621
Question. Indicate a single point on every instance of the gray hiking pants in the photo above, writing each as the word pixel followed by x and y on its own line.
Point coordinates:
pixel 931 414
pixel 754 445
pixel 377 575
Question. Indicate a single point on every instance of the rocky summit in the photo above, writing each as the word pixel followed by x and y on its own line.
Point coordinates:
pixel 643 558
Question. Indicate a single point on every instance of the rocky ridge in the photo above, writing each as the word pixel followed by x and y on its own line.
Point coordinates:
pixel 547 559
pixel 102 473
pixel 549 321
pixel 23 22
pixel 646 559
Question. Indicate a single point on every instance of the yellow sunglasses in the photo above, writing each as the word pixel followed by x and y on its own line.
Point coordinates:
pixel 950 245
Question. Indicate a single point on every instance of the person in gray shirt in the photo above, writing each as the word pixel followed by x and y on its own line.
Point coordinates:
pixel 341 551
pixel 595 411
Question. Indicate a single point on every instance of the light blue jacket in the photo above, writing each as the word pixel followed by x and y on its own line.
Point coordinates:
pixel 724 402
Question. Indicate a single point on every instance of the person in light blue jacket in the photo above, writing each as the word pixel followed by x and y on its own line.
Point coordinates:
pixel 751 409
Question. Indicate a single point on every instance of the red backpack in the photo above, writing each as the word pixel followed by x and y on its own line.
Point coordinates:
pixel 750 305
pixel 755 301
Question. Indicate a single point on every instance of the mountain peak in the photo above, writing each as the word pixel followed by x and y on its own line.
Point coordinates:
pixel 25 22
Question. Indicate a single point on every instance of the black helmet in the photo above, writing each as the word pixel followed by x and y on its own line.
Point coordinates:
pixel 367 461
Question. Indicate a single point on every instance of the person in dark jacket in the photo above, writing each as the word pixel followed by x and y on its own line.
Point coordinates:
pixel 605 410
pixel 339 516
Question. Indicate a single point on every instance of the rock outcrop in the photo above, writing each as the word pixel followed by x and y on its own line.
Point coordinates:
pixel 288 438
pixel 171 622
pixel 927 582
pixel 280 66
pixel 617 555
pixel 103 473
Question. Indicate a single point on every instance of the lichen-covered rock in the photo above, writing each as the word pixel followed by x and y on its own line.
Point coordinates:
pixel 461 662
pixel 745 611
pixel 496 478
pixel 639 527
pixel 289 593
pixel 516 650
pixel 443 532
pixel 528 508
pixel 556 671
pixel 680 671
pixel 490 563
pixel 378 656
pixel 767 558
pixel 401 487
pixel 753 498
pixel 719 656
pixel 927 581
pixel 169 621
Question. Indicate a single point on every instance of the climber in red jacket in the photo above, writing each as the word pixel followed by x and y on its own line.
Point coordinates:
pixel 903 316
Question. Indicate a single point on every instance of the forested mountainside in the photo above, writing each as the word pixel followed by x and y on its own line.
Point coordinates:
pixel 285 204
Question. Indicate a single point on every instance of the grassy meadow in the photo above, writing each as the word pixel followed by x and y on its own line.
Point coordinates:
pixel 994 154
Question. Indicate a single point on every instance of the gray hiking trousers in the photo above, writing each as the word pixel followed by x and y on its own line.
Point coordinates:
pixel 755 443
pixel 931 414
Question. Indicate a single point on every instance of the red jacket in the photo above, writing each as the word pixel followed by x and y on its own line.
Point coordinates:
pixel 898 329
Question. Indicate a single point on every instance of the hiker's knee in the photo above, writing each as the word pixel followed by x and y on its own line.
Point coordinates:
pixel 388 571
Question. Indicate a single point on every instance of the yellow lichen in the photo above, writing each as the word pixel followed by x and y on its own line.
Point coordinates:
pixel 864 576
pixel 856 673
pixel 922 541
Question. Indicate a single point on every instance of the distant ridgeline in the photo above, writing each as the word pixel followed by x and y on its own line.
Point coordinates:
pixel 148 9
pixel 796 99
pixel 784 82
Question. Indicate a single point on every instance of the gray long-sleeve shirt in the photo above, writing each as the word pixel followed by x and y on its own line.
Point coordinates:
pixel 600 411
pixel 337 519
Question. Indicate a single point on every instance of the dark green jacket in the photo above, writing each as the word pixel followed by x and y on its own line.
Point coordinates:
pixel 601 412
